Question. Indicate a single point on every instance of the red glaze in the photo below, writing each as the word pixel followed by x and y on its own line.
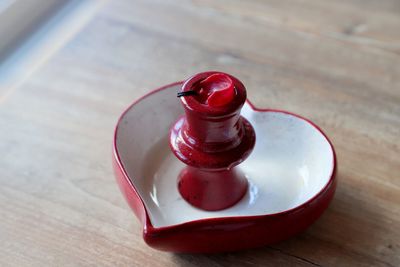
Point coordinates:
pixel 216 90
pixel 212 190
pixel 227 233
pixel 211 139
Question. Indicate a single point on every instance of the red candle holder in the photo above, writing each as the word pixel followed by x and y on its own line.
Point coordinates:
pixel 211 139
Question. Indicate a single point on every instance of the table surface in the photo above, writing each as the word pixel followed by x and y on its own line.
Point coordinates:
pixel 335 62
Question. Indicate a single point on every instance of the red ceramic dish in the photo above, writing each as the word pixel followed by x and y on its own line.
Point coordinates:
pixel 291 175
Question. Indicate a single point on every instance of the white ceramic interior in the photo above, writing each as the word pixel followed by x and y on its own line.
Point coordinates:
pixel 291 162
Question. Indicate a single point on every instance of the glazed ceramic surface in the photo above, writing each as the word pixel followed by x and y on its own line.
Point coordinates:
pixel 212 140
pixel 290 172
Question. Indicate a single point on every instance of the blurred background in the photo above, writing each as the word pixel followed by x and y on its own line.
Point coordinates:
pixel 69 68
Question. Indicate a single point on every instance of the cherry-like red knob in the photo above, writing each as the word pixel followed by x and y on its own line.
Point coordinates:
pixel 216 90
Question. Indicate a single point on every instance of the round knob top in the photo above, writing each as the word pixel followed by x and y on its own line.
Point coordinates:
pixel 213 94
pixel 216 90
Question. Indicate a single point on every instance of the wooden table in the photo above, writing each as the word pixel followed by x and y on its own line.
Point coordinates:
pixel 335 62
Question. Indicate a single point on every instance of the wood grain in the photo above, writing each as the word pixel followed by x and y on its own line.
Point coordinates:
pixel 335 62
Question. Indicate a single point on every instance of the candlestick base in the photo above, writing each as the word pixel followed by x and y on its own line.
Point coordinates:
pixel 212 190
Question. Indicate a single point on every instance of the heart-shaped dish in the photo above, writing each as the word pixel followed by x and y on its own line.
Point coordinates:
pixel 291 174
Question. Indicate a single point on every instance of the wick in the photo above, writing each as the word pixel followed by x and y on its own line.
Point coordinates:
pixel 186 93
